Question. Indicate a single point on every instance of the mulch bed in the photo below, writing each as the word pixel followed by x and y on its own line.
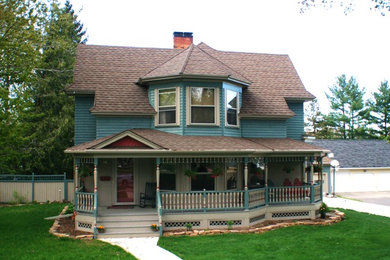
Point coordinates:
pixel 268 225
pixel 65 227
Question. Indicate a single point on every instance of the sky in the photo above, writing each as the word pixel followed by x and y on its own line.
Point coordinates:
pixel 322 43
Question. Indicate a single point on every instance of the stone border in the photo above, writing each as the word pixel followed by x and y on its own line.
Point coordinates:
pixel 56 224
pixel 332 217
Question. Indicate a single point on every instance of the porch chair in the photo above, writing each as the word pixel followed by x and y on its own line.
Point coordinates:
pixel 149 196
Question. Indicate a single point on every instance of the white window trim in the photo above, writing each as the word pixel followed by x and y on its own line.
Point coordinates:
pixel 216 105
pixel 157 107
pixel 237 109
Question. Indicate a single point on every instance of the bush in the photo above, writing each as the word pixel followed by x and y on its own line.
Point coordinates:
pixel 18 199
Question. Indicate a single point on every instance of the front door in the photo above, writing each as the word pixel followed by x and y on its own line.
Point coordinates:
pixel 125 181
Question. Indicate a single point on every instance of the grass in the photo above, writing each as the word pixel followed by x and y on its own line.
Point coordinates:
pixel 24 235
pixel 359 236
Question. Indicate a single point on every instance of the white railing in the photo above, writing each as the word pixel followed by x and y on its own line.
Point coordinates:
pixel 317 192
pixel 291 194
pixel 256 197
pixel 84 202
pixel 202 200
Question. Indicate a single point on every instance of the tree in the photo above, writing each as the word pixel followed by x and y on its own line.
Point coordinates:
pixel 53 108
pixel 382 6
pixel 379 109
pixel 37 52
pixel 348 108
pixel 20 43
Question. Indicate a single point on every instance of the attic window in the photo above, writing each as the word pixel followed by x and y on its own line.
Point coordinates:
pixel 167 106
pixel 203 105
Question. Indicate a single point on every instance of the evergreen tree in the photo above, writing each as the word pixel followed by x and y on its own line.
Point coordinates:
pixel 347 103
pixel 379 109
pixel 52 106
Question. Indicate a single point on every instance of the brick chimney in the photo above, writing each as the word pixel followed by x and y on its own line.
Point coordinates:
pixel 182 40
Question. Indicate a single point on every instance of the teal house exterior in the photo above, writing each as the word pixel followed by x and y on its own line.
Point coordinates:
pixel 189 135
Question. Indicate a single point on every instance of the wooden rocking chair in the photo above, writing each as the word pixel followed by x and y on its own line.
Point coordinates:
pixel 149 196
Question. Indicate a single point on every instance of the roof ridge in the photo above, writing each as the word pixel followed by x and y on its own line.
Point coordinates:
pixel 224 64
pixel 187 58
pixel 158 66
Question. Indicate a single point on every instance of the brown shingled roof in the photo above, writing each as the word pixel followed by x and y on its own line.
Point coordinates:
pixel 180 143
pixel 112 72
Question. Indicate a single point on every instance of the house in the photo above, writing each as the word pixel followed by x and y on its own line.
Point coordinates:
pixel 364 165
pixel 217 135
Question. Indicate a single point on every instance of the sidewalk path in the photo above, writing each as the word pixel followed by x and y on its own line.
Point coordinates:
pixel 371 208
pixel 143 248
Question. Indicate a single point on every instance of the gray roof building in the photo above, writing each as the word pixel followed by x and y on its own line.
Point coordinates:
pixel 358 153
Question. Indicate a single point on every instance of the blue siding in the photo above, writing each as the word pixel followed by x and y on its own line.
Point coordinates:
pixel 107 125
pixel 295 127
pixel 84 121
pixel 263 128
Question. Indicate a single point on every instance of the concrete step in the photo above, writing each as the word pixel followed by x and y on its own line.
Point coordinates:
pixel 149 217
pixel 138 223
pixel 124 234
pixel 128 229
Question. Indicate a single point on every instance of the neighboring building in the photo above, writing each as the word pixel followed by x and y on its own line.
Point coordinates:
pixel 146 117
pixel 364 165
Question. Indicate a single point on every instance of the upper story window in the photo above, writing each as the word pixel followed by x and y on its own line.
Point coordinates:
pixel 203 106
pixel 167 106
pixel 231 108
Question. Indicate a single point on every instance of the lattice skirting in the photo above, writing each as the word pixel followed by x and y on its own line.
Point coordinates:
pixel 257 218
pixel 290 214
pixel 224 222
pixel 85 226
pixel 181 224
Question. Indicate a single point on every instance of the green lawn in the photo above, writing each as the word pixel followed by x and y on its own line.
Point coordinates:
pixel 24 235
pixel 359 236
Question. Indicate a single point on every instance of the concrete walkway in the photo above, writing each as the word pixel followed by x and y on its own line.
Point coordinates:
pixel 143 248
pixel 371 208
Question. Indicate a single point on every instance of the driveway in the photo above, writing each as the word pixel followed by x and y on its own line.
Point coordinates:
pixel 375 197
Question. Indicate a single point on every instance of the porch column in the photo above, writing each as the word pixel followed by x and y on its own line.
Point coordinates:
pixel 76 175
pixel 266 181
pixel 246 194
pixel 95 191
pixel 158 174
pixel 304 175
pixel 311 170
pixel 321 176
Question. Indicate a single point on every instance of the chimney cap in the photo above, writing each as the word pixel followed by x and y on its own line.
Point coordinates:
pixel 182 34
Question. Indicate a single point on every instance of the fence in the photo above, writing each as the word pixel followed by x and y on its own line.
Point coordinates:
pixel 40 188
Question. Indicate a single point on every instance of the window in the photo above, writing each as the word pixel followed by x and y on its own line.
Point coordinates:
pixel 203 105
pixel 231 108
pixel 167 176
pixel 203 179
pixel 167 105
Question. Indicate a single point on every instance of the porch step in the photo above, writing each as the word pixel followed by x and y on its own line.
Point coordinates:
pixel 128 225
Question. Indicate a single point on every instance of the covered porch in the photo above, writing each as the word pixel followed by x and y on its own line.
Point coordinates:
pixel 247 190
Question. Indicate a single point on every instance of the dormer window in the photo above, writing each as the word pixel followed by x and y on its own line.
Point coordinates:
pixel 231 107
pixel 167 105
pixel 203 105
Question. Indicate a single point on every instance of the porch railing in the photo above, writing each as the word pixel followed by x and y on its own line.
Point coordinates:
pixel 293 194
pixel 236 200
pixel 202 200
pixel 256 198
pixel 317 192
pixel 84 202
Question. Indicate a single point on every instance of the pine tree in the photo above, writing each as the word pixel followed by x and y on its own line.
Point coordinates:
pixel 347 103
pixel 379 109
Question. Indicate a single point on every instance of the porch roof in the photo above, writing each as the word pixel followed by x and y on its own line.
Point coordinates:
pixel 164 144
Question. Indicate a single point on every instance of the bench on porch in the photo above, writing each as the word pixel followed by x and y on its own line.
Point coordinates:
pixel 149 196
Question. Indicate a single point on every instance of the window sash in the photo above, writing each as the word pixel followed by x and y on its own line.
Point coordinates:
pixel 167 106
pixel 196 118
pixel 231 108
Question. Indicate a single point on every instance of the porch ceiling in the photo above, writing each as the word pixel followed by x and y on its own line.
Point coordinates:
pixel 169 145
